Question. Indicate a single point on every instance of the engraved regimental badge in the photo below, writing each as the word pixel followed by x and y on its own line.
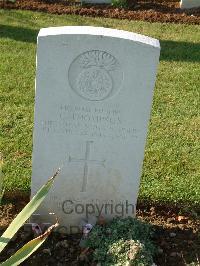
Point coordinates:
pixel 95 75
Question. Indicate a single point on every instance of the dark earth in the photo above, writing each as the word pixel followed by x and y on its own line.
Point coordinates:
pixel 177 237
pixel 152 11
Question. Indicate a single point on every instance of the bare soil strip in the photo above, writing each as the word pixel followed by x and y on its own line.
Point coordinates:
pixel 152 11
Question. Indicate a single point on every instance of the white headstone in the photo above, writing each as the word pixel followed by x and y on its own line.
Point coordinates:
pixel 94 89
pixel 190 3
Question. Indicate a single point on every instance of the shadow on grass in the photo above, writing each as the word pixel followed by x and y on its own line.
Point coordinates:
pixel 170 50
pixel 18 33
pixel 179 51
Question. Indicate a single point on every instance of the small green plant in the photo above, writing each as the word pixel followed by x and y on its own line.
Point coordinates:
pixel 197 263
pixel 23 253
pixel 120 3
pixel 122 242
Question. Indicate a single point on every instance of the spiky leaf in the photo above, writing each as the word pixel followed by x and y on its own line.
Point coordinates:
pixel 28 210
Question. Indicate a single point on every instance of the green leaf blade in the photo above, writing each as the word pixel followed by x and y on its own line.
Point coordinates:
pixel 28 210
pixel 23 253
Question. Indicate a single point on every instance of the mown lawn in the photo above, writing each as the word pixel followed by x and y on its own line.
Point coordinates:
pixel 171 172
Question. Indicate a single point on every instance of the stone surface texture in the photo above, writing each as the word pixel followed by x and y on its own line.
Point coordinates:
pixel 190 3
pixel 94 89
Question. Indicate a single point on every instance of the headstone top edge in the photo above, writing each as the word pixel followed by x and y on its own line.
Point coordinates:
pixel 99 31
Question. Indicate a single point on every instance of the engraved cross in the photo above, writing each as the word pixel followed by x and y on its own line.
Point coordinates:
pixel 86 160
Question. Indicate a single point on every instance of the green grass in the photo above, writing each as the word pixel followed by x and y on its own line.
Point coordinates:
pixel 171 172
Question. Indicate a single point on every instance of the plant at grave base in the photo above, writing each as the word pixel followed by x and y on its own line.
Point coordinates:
pixel 122 242
pixel 120 3
pixel 197 263
pixel 24 252
pixel 194 263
